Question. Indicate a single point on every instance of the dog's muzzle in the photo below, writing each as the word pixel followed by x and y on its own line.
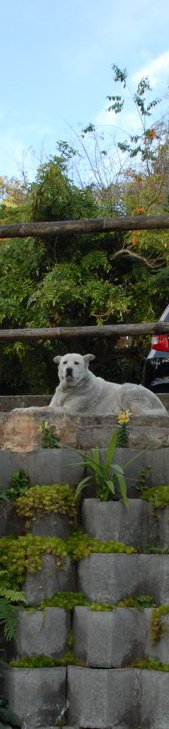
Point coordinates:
pixel 69 372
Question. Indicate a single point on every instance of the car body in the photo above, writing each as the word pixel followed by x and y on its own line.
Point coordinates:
pixel 156 367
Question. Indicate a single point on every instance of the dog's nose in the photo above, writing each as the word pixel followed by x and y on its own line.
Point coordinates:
pixel 69 371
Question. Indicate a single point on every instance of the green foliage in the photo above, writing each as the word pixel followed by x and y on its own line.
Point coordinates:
pixel 57 499
pixel 150 664
pixel 105 481
pixel 101 607
pixel 26 552
pixel 86 278
pixel 158 625
pixel 39 661
pixel 141 602
pixel 9 598
pixel 42 661
pixel 80 545
pixel 49 439
pixel 67 600
pixel 158 496
pixel 7 716
pixel 19 483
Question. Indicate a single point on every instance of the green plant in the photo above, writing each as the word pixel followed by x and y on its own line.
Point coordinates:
pixel 123 431
pixel 159 496
pixel 158 625
pixel 19 484
pixel 7 716
pixel 106 476
pixel 141 485
pixel 8 600
pixel 141 602
pixel 4 496
pixel 49 439
pixel 57 499
pixel 26 552
pixel 41 661
pixel 67 600
pixel 81 545
pixel 150 664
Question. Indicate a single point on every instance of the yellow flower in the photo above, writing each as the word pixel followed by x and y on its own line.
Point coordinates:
pixel 124 417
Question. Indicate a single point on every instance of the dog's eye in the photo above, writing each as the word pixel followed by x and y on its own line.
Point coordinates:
pixel 76 363
pixel 65 362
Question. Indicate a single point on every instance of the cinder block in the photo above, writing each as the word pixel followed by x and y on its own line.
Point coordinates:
pixel 37 695
pixel 46 582
pixel 154 700
pixel 113 521
pixel 122 636
pixel 102 698
pixel 111 577
pixel 44 466
pixel 108 577
pixel 52 525
pixel 43 632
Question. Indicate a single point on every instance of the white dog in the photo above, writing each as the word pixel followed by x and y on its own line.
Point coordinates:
pixel 80 391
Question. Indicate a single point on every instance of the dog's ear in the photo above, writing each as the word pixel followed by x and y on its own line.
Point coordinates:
pixel 58 358
pixel 87 358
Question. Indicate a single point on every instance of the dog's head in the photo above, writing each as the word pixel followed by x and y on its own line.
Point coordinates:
pixel 72 368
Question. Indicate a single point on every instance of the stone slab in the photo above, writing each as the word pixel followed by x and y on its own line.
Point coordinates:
pixel 9 402
pixel 154 700
pixel 124 634
pixel 121 698
pixel 37 695
pixel 44 466
pixel 42 632
pixel 49 525
pixel 113 521
pixel 49 580
pixel 109 578
pixel 19 430
pixel 100 698
pixel 135 526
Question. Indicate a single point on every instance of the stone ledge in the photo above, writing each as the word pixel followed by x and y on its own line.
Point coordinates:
pixel 135 526
pixel 124 634
pixel 19 430
pixel 121 698
pixel 50 579
pixel 42 633
pixel 8 402
pixel 35 693
pixel 109 578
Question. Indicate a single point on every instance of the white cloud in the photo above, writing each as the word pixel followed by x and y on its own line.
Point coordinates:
pixel 153 69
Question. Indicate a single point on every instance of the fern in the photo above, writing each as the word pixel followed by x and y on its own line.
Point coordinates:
pixel 8 618
pixel 9 596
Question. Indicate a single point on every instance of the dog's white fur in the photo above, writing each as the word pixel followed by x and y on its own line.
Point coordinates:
pixel 80 391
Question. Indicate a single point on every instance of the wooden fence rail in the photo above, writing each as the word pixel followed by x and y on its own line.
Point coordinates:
pixel 107 330
pixel 98 225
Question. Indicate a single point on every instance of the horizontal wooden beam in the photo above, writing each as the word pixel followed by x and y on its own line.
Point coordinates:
pixel 107 330
pixel 71 227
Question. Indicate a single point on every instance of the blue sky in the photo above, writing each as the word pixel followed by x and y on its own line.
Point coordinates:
pixel 56 58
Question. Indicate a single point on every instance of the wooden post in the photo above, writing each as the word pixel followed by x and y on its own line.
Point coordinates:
pixel 72 227
pixel 107 330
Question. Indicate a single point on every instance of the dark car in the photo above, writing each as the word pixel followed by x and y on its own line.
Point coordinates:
pixel 156 368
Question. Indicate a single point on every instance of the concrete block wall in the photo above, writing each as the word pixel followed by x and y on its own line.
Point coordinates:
pixel 106 692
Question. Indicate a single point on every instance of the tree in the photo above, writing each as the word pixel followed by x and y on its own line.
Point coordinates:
pixel 86 279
